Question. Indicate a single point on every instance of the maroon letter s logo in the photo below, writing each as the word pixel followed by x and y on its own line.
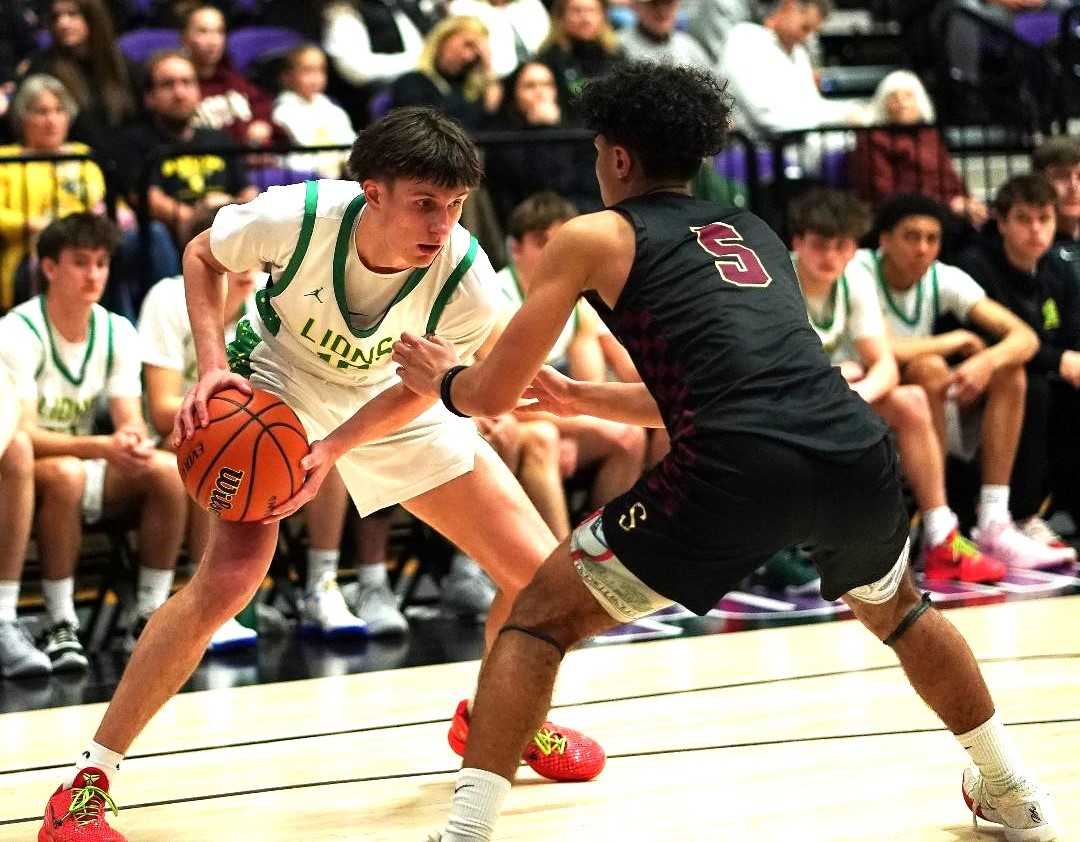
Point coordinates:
pixel 736 263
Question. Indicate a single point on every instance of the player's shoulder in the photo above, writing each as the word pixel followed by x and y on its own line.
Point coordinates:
pixel 951 276
pixel 121 327
pixel 166 292
pixel 334 196
pixel 862 264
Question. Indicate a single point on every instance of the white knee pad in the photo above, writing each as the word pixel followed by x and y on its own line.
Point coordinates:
pixel 886 587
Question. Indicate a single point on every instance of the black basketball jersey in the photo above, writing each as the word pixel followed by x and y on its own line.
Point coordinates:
pixel 713 317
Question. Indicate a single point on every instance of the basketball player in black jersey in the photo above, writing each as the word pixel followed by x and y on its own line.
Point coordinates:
pixel 769 447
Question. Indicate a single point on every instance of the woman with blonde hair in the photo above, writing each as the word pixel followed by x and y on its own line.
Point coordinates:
pixel 580 46
pixel 34 194
pixel 913 159
pixel 453 74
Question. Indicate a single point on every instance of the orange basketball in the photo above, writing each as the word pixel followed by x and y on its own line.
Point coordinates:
pixel 246 460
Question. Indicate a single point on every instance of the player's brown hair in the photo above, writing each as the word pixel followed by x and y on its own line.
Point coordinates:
pixel 1056 152
pixel 538 213
pixel 77 231
pixel 828 213
pixel 1027 189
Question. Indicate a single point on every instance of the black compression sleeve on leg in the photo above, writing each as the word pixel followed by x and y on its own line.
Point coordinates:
pixel 539 635
pixel 909 619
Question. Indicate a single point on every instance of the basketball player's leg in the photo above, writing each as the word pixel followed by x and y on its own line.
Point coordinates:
pixel 507 537
pixel 58 487
pixel 1003 415
pixel 907 412
pixel 540 475
pixel 932 373
pixel 175 639
pixel 618 448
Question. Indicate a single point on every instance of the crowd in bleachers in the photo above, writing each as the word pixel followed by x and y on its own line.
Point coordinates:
pixel 950 304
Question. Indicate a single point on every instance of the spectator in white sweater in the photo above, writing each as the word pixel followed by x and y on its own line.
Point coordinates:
pixel 655 37
pixel 770 74
pixel 308 115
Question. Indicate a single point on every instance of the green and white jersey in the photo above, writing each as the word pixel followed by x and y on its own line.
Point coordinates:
pixel 913 312
pixel 513 296
pixel 67 379
pixel 165 329
pixel 323 311
pixel 850 312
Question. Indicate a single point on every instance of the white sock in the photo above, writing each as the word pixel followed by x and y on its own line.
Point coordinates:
pixel 153 589
pixel 9 599
pixel 98 757
pixel 371 575
pixel 993 505
pixel 937 524
pixel 321 564
pixel 477 802
pixel 993 751
pixel 60 600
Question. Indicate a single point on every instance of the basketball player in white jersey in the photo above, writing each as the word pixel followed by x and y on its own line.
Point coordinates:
pixel 353 264
pixel 67 353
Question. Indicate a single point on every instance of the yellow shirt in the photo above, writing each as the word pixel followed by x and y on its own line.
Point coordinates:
pixel 35 190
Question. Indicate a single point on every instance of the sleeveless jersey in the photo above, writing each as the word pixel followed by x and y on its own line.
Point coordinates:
pixel 713 316
pixel 303 312
pixel 66 398
pixel 514 297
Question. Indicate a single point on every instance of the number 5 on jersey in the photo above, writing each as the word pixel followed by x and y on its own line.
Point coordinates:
pixel 737 264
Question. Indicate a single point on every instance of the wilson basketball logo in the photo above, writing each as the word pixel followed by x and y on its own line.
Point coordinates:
pixel 225 488
pixel 190 459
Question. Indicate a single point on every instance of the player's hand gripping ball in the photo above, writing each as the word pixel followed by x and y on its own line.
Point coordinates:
pixel 246 460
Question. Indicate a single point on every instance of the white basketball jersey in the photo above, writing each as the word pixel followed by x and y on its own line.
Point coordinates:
pixel 66 397
pixel 303 314
pixel 514 296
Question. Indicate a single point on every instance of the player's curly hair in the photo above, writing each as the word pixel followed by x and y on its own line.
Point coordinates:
pixel 669 117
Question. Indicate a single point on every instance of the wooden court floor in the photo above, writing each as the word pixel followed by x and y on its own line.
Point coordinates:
pixel 796 733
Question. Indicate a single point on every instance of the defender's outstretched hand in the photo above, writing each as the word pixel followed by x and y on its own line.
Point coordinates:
pixel 317 464
pixel 422 362
pixel 551 392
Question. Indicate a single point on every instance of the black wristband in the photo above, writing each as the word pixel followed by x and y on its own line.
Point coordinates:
pixel 444 389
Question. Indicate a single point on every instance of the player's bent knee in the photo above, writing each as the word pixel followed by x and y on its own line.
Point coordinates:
pixel 61 478
pixel 18 457
pixel 929 369
pixel 1012 378
pixel 913 404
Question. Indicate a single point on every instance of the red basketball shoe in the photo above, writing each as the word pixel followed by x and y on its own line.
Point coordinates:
pixel 959 559
pixel 559 754
pixel 77 814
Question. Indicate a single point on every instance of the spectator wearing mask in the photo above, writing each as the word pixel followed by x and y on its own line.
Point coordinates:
pixel 454 74
pixel 914 161
pixel 229 102
pixel 1010 261
pixel 308 115
pixel 655 37
pixel 84 56
pixel 770 74
pixel 516 29
pixel 580 46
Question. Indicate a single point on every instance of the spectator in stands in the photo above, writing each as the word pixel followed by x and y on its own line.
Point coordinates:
pixel 516 171
pixel 844 310
pixel 581 45
pixel 308 116
pixel 1010 262
pixel 453 74
pixel 713 20
pixel 33 194
pixel 373 43
pixel 229 102
pixel 181 187
pixel 67 353
pixel 913 161
pixel 567 444
pixel 976 390
pixel 84 56
pixel 516 29
pixel 655 37
pixel 1058 159
pixel 770 74
pixel 19 658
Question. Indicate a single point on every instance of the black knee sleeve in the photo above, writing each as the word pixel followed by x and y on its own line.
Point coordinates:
pixel 914 614
pixel 539 635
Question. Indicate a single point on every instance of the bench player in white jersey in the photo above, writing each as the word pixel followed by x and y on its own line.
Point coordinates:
pixel 67 354
pixel 353 264
pixel 976 390
pixel 617 450
pixel 845 312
